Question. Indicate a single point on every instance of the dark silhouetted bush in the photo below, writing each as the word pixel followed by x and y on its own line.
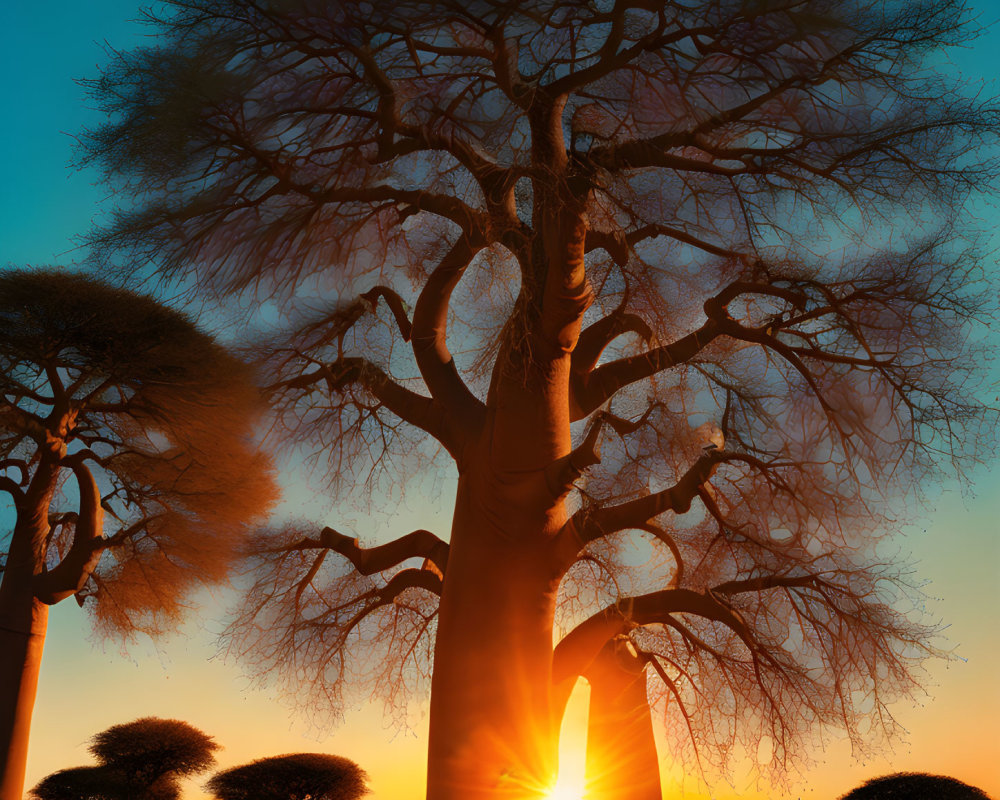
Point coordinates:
pixel 140 760
pixel 915 786
pixel 151 747
pixel 81 783
pixel 300 776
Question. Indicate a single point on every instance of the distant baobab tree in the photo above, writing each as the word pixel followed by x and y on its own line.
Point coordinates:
pixel 297 776
pixel 681 290
pixel 915 786
pixel 139 760
pixel 126 450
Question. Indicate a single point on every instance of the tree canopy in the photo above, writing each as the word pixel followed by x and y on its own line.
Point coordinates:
pixel 84 783
pixel 127 451
pixel 298 776
pixel 153 418
pixel 915 786
pixel 139 760
pixel 681 290
pixel 152 747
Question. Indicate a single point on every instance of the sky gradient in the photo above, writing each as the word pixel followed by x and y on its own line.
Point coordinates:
pixel 87 686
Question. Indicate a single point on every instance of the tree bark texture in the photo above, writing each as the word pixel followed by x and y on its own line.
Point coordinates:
pixel 22 638
pixel 23 622
pixel 492 733
pixel 621 751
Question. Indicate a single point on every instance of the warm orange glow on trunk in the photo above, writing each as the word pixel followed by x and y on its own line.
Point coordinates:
pixel 20 662
pixel 621 752
pixel 490 733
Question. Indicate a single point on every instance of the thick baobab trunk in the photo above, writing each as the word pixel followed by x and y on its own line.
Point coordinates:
pixel 491 732
pixel 621 752
pixel 22 636
pixel 492 729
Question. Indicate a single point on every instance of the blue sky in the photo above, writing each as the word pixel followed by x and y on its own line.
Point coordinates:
pixel 45 47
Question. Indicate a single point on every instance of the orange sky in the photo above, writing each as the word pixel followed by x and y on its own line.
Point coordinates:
pixel 953 731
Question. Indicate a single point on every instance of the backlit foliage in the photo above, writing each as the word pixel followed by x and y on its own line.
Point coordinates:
pixel 298 776
pixel 753 210
pixel 140 759
pixel 104 381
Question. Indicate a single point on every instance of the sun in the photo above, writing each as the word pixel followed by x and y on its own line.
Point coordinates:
pixel 566 790
pixel 572 780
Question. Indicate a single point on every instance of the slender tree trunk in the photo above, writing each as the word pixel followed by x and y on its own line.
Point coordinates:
pixel 22 637
pixel 621 752
pixel 491 731
pixel 23 621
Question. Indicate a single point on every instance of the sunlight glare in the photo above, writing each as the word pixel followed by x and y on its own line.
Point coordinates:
pixel 568 789
pixel 571 783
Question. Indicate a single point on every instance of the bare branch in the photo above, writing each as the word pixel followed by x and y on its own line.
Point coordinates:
pixel 10 486
pixel 765 582
pixel 422 412
pixel 70 575
pixel 596 337
pixel 369 560
pixel 591 524
pixel 430 335
pixel 581 645
pixel 425 579
pixel 395 303
pixel 560 474
pixel 593 386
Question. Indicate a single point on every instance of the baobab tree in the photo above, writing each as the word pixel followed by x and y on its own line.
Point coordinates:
pixel 677 288
pixel 143 759
pixel 297 776
pixel 915 786
pixel 126 449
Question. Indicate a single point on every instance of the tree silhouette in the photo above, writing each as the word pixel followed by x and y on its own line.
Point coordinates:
pixel 152 420
pixel 140 760
pixel 678 288
pixel 622 761
pixel 151 748
pixel 83 783
pixel 298 776
pixel 915 786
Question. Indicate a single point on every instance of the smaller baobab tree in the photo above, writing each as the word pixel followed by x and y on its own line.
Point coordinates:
pixel 140 759
pixel 116 413
pixel 79 783
pixel 915 786
pixel 298 776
